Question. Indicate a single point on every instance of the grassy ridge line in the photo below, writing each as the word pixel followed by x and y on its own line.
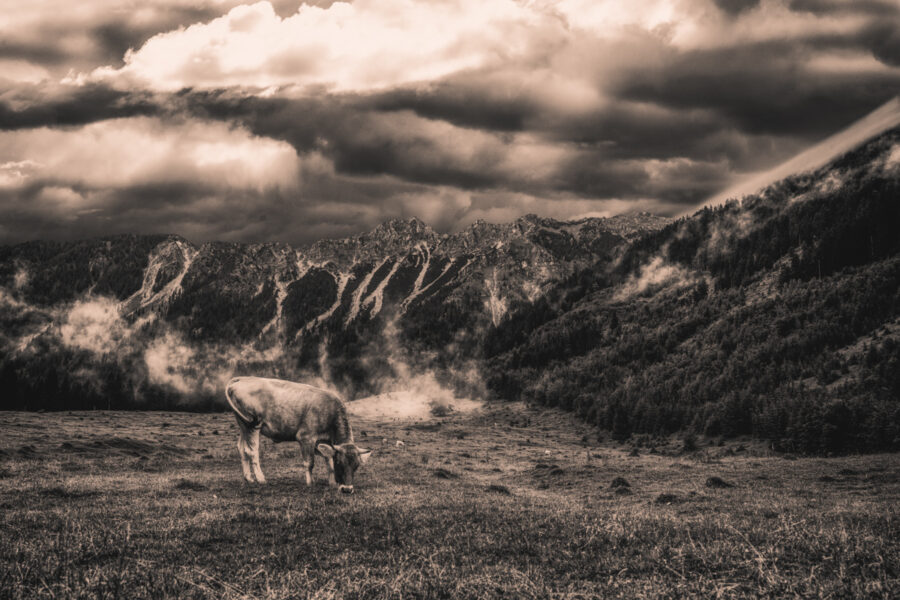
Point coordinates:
pixel 141 505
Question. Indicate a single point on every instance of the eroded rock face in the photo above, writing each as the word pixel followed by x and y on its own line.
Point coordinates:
pixel 399 263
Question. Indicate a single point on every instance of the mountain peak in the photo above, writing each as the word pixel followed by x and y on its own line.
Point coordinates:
pixel 399 225
pixel 530 218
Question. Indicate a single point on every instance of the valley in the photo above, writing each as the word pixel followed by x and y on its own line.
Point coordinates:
pixel 771 316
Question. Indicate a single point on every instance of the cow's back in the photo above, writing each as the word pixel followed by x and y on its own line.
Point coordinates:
pixel 284 408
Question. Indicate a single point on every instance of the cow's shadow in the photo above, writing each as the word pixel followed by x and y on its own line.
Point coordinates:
pixel 284 484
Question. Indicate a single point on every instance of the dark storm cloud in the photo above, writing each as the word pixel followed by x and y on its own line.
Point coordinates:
pixel 48 105
pixel 159 208
pixel 115 37
pixel 638 130
pixel 873 8
pixel 294 120
pixel 674 181
pixel 884 41
pixel 881 36
pixel 619 129
pixel 764 88
pixel 606 147
pixel 358 139
pixel 736 7
pixel 205 178
pixel 199 211
pixel 475 102
pixel 55 35
pixel 610 155
pixel 203 211
pixel 613 150
pixel 622 129
pixel 32 51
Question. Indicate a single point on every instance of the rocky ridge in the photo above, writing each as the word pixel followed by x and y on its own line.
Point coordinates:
pixel 330 301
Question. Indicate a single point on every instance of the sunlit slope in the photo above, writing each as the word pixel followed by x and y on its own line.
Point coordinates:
pixel 884 118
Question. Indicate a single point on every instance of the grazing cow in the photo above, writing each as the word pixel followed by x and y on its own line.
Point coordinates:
pixel 287 411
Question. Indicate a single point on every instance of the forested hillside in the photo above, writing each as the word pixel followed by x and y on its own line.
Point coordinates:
pixel 777 316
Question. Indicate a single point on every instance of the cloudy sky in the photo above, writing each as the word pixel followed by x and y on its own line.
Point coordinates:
pixel 289 121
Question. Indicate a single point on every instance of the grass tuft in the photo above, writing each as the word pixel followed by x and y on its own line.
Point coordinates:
pixel 187 484
pixel 442 473
pixel 718 482
pixel 667 499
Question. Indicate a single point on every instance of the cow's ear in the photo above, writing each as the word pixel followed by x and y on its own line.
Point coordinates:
pixel 364 455
pixel 325 450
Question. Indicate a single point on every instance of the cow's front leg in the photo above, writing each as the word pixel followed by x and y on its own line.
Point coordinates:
pixel 253 443
pixel 327 452
pixel 307 456
pixel 329 462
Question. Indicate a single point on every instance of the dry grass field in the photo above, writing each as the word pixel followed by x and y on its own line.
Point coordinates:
pixel 507 502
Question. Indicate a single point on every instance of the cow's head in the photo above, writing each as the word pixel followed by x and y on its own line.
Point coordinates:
pixel 347 458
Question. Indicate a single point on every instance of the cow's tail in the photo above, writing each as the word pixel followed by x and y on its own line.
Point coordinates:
pixel 240 414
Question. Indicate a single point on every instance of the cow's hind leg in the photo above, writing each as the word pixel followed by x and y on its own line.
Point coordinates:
pixel 253 443
pixel 248 446
pixel 244 450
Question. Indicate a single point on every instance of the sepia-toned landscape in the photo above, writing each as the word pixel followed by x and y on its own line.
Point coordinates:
pixel 388 299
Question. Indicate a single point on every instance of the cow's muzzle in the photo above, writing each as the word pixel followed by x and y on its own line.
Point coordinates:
pixel 346 489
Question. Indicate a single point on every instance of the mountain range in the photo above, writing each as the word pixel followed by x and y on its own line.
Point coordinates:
pixel 775 315
pixel 175 319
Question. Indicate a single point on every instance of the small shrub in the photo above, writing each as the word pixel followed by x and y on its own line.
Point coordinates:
pixel 61 492
pixel 689 443
pixel 718 482
pixel 187 484
pixel 442 473
pixel 619 482
pixel 440 409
